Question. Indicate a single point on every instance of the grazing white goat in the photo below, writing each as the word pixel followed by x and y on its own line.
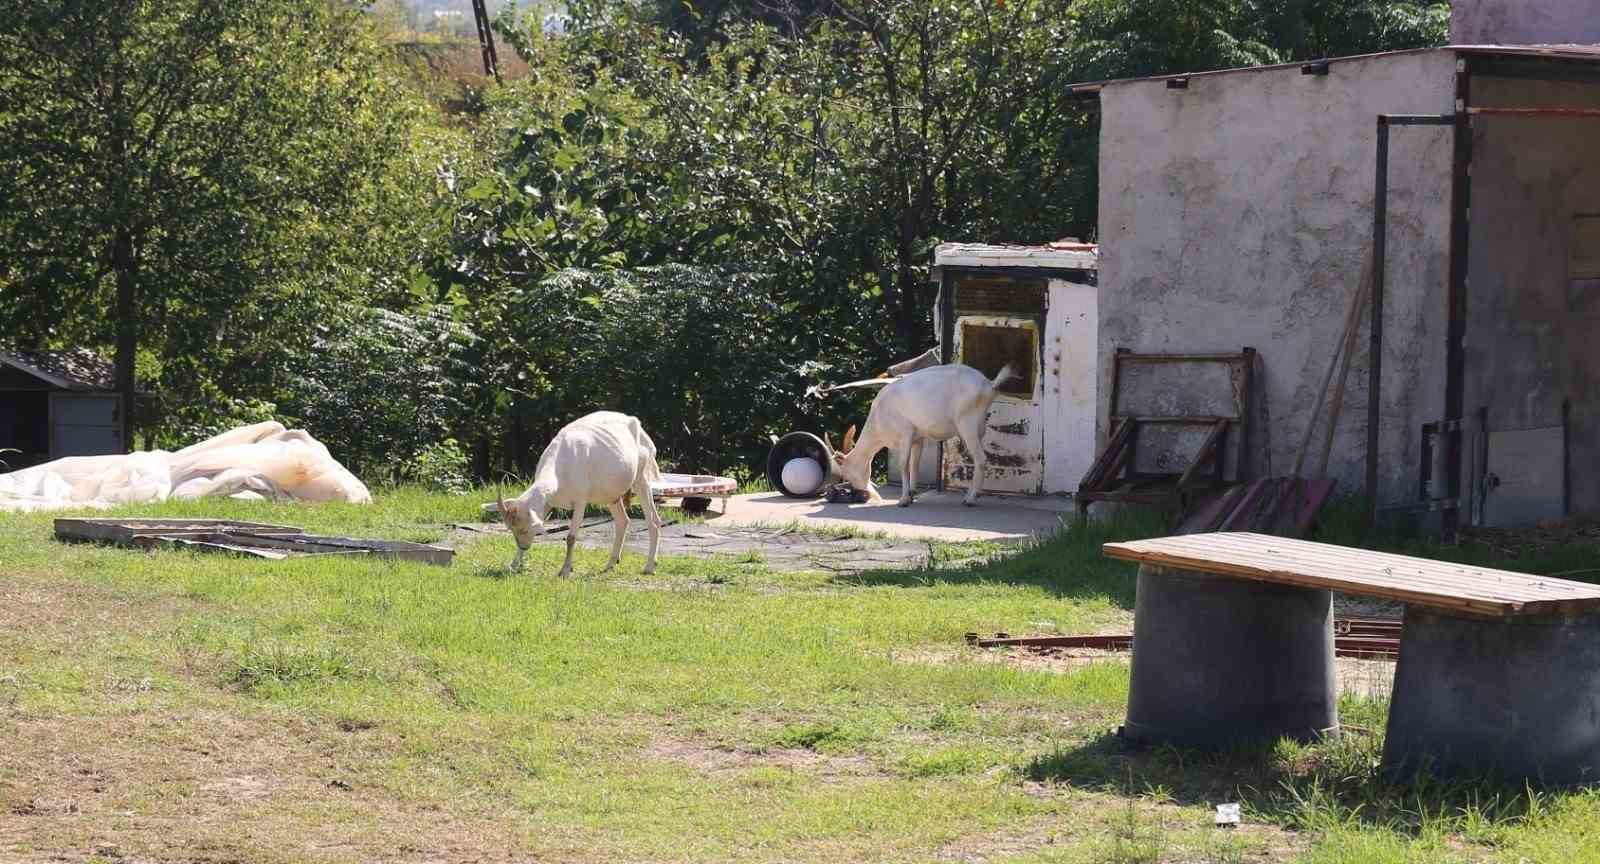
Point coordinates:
pixel 600 458
pixel 933 404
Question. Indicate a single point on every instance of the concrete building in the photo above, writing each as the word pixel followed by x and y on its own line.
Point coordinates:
pixel 1237 209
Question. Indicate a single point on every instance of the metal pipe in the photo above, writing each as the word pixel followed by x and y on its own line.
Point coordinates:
pixel 1455 337
pixel 1419 119
pixel 1537 112
pixel 1380 224
pixel 1380 237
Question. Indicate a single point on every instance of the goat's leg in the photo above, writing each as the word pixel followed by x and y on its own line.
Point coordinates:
pixel 971 432
pixel 619 520
pixel 908 477
pixel 572 539
pixel 652 518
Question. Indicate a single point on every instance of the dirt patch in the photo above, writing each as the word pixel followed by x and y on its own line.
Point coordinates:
pixel 712 759
pixel 1247 842
pixel 215 786
pixel 1008 843
pixel 224 781
pixel 41 607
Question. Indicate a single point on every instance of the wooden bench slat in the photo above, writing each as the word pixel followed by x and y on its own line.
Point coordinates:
pixel 1441 584
pixel 1497 583
pixel 1459 582
pixel 1515 586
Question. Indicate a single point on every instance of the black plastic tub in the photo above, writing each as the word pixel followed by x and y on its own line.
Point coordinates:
pixel 800 445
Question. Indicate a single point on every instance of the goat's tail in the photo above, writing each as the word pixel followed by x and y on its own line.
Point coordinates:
pixel 1007 373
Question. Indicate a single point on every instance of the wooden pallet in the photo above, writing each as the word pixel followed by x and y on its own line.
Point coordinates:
pixel 1115 474
pixel 255 539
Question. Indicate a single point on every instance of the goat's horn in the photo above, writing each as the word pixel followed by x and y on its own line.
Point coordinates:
pixel 500 499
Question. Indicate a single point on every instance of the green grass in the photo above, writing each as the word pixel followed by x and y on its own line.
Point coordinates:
pixel 716 710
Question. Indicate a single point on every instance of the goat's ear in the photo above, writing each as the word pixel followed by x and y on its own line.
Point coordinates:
pixel 849 439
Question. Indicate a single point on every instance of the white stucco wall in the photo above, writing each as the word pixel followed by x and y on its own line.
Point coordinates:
pixel 1524 22
pixel 1238 212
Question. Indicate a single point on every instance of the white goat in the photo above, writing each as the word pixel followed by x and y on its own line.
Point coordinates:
pixel 601 458
pixel 933 404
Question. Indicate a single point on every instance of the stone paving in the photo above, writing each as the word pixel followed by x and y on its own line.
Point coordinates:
pixel 785 548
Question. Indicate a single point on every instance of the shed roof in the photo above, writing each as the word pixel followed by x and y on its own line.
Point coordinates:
pixel 72 369
pixel 1582 53
pixel 1060 255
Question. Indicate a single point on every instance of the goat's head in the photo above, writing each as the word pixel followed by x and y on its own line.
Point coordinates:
pixel 858 471
pixel 518 515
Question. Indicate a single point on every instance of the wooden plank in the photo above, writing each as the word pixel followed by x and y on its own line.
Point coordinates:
pixel 252 538
pixel 1209 515
pixel 1109 458
pixel 1463 585
pixel 1492 584
pixel 1205 451
pixel 1475 590
pixel 123 530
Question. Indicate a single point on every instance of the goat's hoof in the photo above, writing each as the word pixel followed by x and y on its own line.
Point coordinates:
pixel 969 502
pixel 649 569
pixel 903 502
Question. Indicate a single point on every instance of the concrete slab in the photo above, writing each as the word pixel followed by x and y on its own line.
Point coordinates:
pixel 776 548
pixel 934 516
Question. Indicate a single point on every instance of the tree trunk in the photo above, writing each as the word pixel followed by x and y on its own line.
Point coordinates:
pixel 125 263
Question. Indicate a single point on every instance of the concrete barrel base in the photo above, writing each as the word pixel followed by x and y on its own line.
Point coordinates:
pixel 1517 698
pixel 1220 661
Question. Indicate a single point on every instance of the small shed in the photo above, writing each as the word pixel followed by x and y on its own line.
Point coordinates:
pixel 55 404
pixel 1035 308
pixel 1460 185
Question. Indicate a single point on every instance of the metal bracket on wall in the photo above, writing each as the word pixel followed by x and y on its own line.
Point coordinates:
pixel 1433 457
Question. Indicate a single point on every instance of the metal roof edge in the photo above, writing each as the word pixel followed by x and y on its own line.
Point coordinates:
pixel 1095 86
pixel 1560 51
pixel 1087 257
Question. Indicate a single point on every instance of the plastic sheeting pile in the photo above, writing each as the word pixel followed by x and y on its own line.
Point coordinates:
pixel 264 460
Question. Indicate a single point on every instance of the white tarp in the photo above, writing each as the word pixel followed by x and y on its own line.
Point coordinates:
pixel 264 460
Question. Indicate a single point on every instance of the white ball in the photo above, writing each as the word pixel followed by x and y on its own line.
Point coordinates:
pixel 802 476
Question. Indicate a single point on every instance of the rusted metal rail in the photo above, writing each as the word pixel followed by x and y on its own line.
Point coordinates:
pixel 1352 637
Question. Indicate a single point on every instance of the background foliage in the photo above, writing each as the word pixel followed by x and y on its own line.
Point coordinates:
pixel 689 211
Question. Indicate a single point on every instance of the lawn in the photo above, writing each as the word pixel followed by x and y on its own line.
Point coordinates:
pixel 175 706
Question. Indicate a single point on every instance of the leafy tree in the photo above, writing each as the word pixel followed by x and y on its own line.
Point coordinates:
pixel 1125 38
pixel 211 175
pixel 383 387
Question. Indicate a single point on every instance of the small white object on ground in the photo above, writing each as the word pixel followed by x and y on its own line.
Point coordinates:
pixel 802 476
pixel 1227 814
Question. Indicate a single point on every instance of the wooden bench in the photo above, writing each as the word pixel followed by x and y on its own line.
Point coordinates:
pixel 1499 672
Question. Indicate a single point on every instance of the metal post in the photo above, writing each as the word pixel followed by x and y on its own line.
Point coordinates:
pixel 491 63
pixel 1455 347
pixel 1380 224
pixel 1380 236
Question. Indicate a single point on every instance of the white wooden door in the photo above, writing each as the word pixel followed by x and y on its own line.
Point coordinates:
pixel 1071 384
pixel 1013 438
pixel 84 424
